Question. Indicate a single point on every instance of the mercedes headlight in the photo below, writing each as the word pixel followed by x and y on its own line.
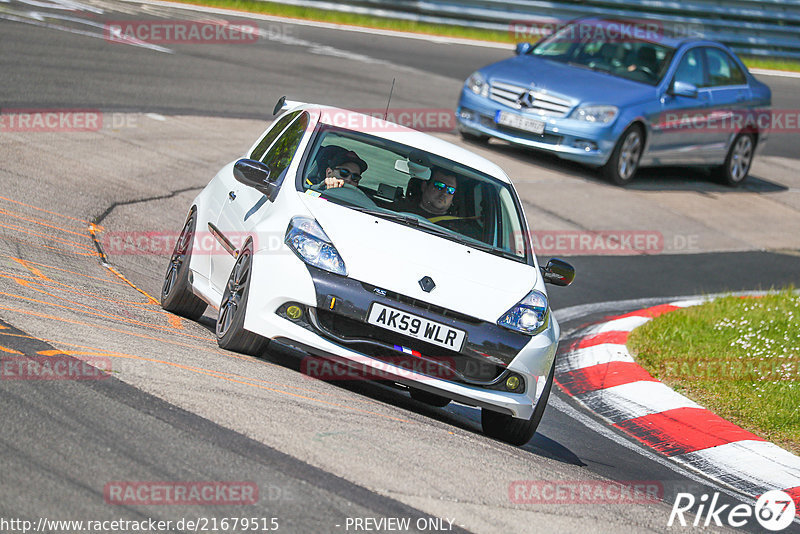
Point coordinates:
pixel 597 114
pixel 310 242
pixel 477 84
pixel 529 315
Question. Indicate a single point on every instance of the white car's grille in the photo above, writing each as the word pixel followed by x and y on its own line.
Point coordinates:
pixel 531 100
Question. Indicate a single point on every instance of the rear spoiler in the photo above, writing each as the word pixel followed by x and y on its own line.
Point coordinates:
pixel 282 104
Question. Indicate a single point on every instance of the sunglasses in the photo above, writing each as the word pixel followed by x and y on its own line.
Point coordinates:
pixel 441 186
pixel 347 173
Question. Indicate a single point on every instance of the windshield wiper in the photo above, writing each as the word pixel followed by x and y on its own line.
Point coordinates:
pixel 490 249
pixel 404 219
pixel 469 242
pixel 595 68
pixel 427 226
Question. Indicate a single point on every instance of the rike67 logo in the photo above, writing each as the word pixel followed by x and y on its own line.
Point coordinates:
pixel 774 511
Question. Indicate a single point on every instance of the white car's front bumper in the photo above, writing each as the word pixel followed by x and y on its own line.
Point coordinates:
pixel 295 284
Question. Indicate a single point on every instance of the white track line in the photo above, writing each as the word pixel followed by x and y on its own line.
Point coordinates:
pixel 779 73
pixel 623 402
pixel 377 31
pixel 626 324
pixel 682 470
pixel 329 25
pixel 589 356
pixel 759 465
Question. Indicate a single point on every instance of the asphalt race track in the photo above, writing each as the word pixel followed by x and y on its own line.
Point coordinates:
pixel 177 408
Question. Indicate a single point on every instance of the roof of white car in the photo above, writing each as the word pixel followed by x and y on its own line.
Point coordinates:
pixel 360 122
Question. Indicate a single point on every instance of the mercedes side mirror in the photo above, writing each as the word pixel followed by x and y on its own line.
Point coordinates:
pixel 683 89
pixel 523 48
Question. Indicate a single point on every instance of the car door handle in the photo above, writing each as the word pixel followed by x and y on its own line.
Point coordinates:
pixel 232 195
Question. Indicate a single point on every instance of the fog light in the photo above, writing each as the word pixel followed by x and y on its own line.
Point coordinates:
pixel 588 146
pixel 294 312
pixel 512 383
pixel 466 114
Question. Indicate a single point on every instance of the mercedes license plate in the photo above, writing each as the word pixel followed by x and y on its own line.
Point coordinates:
pixel 512 120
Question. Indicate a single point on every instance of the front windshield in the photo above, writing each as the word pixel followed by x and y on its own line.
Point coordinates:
pixel 418 189
pixel 629 58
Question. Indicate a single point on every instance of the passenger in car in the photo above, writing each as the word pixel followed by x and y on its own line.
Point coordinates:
pixel 435 203
pixel 434 197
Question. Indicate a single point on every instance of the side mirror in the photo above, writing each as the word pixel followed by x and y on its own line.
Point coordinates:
pixel 255 174
pixel 683 89
pixel 558 272
pixel 523 48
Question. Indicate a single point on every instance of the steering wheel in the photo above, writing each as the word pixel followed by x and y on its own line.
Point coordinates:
pixel 350 194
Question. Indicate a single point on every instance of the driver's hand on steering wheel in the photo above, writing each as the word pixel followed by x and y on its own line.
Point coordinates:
pixel 332 182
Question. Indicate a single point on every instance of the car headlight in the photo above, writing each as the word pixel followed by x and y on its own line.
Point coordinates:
pixel 310 242
pixel 529 315
pixel 598 114
pixel 477 84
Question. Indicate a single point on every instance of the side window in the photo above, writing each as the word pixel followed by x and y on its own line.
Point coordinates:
pixel 270 136
pixel 282 151
pixel 722 70
pixel 690 69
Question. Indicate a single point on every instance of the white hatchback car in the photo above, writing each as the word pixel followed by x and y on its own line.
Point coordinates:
pixel 448 303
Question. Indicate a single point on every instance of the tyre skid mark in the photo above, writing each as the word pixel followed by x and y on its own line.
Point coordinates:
pixel 31 262
pixel 29 244
pixel 84 221
pixel 97 313
pixel 231 377
pixel 74 244
pixel 15 215
pixel 62 287
pixel 39 282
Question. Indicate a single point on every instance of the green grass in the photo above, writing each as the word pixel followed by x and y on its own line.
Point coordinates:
pixel 738 357
pixel 337 17
pixel 769 63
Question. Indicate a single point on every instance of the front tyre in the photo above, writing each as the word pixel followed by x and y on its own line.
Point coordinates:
pixel 624 160
pixel 474 138
pixel 512 430
pixel 738 161
pixel 176 293
pixel 231 334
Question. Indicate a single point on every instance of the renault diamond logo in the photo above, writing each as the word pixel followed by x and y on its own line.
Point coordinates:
pixel 427 284
pixel 526 100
